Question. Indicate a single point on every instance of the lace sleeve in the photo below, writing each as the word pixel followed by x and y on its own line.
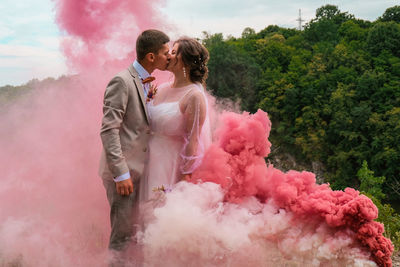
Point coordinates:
pixel 195 112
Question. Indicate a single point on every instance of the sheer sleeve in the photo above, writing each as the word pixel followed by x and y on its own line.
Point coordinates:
pixel 195 114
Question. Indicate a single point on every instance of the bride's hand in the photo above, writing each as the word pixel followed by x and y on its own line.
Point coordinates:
pixel 186 177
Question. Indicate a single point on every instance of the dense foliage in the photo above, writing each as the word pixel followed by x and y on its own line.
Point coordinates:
pixel 371 186
pixel 332 90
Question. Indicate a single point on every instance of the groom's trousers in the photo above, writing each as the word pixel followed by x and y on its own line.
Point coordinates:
pixel 123 215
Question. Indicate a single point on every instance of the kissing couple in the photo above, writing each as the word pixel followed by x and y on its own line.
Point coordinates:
pixel 152 137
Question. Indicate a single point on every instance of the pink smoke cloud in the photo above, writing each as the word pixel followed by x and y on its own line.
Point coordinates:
pixel 101 34
pixel 54 207
pixel 237 164
pixel 195 227
pixel 53 212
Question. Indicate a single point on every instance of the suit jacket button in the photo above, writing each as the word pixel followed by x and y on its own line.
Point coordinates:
pixel 145 149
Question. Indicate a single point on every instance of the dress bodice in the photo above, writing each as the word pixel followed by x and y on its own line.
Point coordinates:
pixel 166 118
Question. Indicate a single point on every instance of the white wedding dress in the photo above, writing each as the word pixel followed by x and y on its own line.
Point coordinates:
pixel 168 153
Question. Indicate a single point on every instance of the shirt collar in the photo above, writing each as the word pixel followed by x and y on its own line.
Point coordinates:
pixel 143 74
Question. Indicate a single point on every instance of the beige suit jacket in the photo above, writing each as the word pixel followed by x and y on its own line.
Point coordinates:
pixel 125 127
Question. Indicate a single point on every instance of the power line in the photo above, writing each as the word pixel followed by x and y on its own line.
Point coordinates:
pixel 300 20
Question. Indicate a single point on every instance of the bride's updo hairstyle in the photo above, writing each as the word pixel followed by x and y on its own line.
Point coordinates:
pixel 195 57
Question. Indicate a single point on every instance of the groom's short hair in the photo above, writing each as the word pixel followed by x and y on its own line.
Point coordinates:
pixel 150 41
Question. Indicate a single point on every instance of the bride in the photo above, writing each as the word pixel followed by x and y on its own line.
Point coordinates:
pixel 179 120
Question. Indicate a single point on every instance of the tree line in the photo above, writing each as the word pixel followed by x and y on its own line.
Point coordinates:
pixel 332 90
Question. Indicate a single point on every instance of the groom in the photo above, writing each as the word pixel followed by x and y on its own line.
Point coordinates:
pixel 125 132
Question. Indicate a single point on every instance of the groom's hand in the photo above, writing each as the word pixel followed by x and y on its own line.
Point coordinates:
pixel 125 187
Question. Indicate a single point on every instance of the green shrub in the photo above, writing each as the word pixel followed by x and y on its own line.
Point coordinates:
pixel 371 186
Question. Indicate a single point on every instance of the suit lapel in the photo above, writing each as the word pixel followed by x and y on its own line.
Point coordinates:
pixel 139 88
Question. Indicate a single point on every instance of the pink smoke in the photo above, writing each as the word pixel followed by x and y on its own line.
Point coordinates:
pixel 54 208
pixel 53 212
pixel 194 226
pixel 102 34
pixel 237 164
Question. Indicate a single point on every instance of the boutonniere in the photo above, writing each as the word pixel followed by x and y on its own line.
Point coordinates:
pixel 152 92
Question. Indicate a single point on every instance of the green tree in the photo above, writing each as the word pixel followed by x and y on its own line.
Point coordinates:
pixel 391 14
pixel 248 33
pixel 234 72
pixel 369 183
pixel 384 36
pixel 371 186
pixel 331 91
pixel 325 26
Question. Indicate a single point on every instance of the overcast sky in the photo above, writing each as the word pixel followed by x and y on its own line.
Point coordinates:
pixel 29 38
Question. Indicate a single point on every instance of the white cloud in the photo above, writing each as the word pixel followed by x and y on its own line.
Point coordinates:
pixel 5 31
pixel 29 42
pixel 229 26
pixel 18 51
pixel 50 42
pixel 232 16
pixel 21 63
